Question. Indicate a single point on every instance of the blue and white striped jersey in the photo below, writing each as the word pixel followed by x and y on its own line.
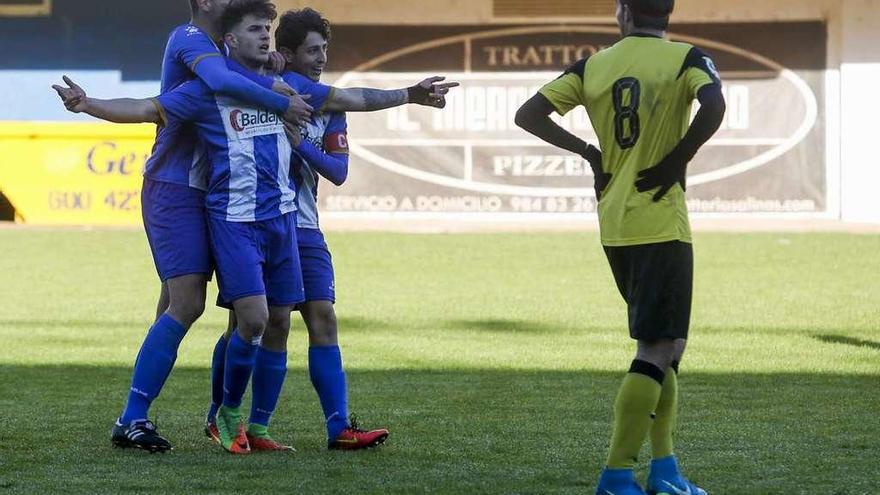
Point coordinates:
pixel 327 132
pixel 247 149
pixel 177 156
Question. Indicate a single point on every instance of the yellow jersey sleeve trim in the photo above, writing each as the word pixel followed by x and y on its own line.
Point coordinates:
pixel 329 97
pixel 163 117
pixel 202 57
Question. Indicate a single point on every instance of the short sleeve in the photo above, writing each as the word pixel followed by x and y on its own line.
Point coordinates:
pixel 567 91
pixel 319 93
pixel 185 103
pixel 191 45
pixel 698 70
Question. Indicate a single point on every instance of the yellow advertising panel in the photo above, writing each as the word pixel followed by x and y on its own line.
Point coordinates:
pixel 74 173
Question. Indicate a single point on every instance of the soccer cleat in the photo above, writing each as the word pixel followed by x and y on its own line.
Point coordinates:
pixel 211 430
pixel 618 482
pixel 230 431
pixel 267 443
pixel 664 478
pixel 354 438
pixel 681 487
pixel 139 435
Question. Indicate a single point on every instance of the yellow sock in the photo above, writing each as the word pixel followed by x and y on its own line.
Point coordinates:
pixel 665 416
pixel 636 401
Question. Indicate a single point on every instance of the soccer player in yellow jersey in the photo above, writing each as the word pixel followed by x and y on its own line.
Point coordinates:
pixel 638 94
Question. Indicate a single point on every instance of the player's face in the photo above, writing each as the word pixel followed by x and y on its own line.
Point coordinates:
pixel 249 40
pixel 310 57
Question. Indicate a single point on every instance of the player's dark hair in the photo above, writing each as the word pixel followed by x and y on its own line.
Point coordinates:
pixel 295 25
pixel 650 14
pixel 193 6
pixel 238 9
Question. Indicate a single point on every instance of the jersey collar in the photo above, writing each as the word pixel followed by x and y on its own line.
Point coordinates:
pixel 643 35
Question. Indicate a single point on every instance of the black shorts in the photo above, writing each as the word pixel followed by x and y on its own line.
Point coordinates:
pixel 656 281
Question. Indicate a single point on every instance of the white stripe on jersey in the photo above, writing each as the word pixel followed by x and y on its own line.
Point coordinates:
pixel 306 200
pixel 288 195
pixel 242 186
pixel 242 124
pixel 200 168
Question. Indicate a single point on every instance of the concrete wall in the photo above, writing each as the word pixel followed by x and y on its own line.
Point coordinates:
pixel 859 110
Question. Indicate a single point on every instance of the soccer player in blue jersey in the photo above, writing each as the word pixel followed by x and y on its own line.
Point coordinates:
pixel 173 210
pixel 302 38
pixel 249 199
pixel 185 100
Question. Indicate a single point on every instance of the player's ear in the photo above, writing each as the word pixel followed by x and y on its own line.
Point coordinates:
pixel 230 40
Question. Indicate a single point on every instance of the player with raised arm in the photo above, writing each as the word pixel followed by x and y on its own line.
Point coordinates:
pixel 249 200
pixel 302 37
pixel 173 210
pixel 355 99
pixel 639 94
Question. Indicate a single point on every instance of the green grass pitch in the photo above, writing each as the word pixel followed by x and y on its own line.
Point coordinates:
pixel 493 360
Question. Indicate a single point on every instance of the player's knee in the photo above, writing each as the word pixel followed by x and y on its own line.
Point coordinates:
pixel 278 323
pixel 275 338
pixel 187 309
pixel 323 327
pixel 277 330
pixel 661 353
pixel 253 324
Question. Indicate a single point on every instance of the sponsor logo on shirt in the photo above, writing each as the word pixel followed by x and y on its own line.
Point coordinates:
pixel 252 122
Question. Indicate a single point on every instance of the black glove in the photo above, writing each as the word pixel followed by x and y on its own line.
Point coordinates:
pixel 422 96
pixel 600 178
pixel 671 170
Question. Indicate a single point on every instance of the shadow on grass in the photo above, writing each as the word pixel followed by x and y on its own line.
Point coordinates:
pixel 500 325
pixel 467 431
pixel 840 339
pixel 352 323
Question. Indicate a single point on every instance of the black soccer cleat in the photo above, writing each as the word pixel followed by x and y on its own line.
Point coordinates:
pixel 139 435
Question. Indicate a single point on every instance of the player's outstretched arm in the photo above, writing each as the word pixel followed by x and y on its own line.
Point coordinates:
pixel 672 169
pixel 534 117
pixel 120 110
pixel 431 92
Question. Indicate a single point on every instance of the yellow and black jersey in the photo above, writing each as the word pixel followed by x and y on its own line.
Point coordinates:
pixel 638 94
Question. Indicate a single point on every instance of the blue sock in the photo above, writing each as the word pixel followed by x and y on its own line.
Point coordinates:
pixel 218 364
pixel 328 378
pixel 269 372
pixel 152 367
pixel 240 357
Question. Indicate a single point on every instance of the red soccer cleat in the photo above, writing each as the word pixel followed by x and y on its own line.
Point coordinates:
pixel 211 430
pixel 267 444
pixel 353 438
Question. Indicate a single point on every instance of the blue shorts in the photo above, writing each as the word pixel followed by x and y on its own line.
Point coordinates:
pixel 175 221
pixel 257 258
pixel 317 266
